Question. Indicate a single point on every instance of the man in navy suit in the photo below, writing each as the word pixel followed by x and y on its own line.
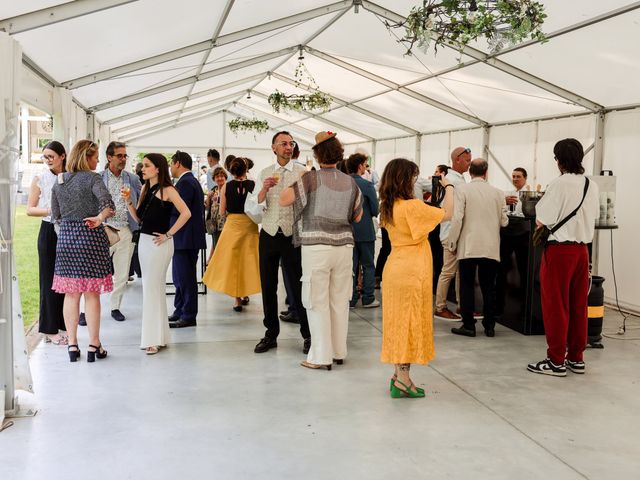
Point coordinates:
pixel 188 242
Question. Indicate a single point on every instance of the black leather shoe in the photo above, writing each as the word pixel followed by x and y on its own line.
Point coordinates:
pixel 489 332
pixel 182 323
pixel 265 344
pixel 467 332
pixel 284 312
pixel 290 317
pixel 173 318
pixel 307 345
pixel 117 315
pixel 82 321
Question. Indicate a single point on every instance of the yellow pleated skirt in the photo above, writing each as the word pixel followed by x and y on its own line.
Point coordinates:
pixel 234 268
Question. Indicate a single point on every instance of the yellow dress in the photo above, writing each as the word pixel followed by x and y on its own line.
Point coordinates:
pixel 407 314
pixel 234 268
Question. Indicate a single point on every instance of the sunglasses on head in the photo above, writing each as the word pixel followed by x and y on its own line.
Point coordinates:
pixel 466 150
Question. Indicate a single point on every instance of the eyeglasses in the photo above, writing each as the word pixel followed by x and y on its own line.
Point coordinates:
pixel 44 158
pixel 121 156
pixel 287 144
pixel 466 150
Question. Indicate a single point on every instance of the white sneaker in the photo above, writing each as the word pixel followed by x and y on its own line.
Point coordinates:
pixel 373 304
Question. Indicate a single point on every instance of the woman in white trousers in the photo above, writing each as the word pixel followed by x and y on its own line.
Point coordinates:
pixel 157 200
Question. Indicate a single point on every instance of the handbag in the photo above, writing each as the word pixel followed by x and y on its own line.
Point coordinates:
pixel 135 235
pixel 541 234
pixel 112 234
pixel 253 209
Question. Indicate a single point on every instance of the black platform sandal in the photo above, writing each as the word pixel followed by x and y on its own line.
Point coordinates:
pixel 73 354
pixel 98 352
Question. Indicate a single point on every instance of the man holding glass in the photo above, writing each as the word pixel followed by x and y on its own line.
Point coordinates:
pixel 116 177
pixel 276 242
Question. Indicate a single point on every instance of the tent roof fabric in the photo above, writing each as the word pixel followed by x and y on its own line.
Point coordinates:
pixel 203 56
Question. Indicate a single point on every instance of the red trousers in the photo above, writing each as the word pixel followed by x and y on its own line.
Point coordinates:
pixel 564 287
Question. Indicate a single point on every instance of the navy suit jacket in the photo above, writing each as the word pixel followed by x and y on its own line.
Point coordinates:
pixel 364 231
pixel 192 235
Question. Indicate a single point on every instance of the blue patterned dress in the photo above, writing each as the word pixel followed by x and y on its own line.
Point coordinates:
pixel 83 263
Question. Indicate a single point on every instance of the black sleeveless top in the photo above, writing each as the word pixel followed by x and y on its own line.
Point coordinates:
pixel 154 213
pixel 236 194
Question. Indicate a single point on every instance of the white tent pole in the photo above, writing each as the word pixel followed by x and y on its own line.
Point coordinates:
pixel 208 44
pixel 598 162
pixel 500 166
pixel 317 116
pixel 59 13
pixel 535 154
pixel 486 137
pixel 205 57
pixel 225 99
pixel 394 86
pixel 418 149
pixel 180 100
pixel 374 148
pixel 224 134
pixel 495 62
pixel 188 80
pixel 344 103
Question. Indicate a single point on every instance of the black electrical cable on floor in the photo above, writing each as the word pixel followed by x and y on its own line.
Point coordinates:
pixel 622 328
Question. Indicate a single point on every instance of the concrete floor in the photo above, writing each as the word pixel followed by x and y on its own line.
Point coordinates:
pixel 209 407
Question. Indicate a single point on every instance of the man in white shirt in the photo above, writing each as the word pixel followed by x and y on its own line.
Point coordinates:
pixel 276 242
pixel 213 159
pixel 564 270
pixel 479 212
pixel 460 161
pixel 116 177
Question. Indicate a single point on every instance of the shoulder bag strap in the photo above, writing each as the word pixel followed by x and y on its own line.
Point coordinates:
pixel 152 191
pixel 568 217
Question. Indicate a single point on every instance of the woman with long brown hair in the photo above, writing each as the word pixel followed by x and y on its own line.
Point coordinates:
pixel 80 203
pixel 157 199
pixel 51 319
pixel 407 313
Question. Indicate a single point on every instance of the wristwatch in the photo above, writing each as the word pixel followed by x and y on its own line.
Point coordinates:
pixel 169 236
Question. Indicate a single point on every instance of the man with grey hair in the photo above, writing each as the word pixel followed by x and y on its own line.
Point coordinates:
pixel 479 212
pixel 116 177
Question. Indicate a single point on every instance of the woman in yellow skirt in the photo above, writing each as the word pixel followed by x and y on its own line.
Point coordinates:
pixel 407 316
pixel 234 268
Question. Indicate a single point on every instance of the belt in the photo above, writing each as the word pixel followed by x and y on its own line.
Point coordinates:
pixel 554 242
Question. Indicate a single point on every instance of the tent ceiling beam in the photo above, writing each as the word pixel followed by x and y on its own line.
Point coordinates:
pixel 318 117
pixel 58 13
pixel 300 140
pixel 178 101
pixel 495 62
pixel 225 99
pixel 206 45
pixel 214 38
pixel 394 86
pixel 350 105
pixel 172 124
pixel 188 80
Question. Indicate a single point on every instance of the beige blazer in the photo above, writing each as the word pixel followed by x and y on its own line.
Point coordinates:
pixel 479 212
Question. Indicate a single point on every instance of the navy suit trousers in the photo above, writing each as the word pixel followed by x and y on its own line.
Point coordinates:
pixel 185 279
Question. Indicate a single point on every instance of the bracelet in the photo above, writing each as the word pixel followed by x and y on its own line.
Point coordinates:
pixel 130 203
pixel 169 236
pixel 449 185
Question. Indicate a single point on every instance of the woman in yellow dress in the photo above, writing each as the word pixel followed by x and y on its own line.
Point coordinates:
pixel 234 268
pixel 407 313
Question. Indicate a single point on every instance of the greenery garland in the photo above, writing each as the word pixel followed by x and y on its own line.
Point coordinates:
pixel 442 22
pixel 314 101
pixel 244 125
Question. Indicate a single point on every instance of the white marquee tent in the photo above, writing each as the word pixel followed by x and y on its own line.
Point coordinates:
pixel 162 75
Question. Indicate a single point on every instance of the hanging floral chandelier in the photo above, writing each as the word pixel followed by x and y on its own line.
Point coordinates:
pixel 458 22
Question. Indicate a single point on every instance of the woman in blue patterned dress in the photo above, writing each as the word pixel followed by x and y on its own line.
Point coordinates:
pixel 80 202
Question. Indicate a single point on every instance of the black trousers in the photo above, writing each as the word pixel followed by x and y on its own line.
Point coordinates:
pixel 51 303
pixel 185 279
pixel 437 254
pixel 272 251
pixel 508 245
pixel 384 252
pixel 487 270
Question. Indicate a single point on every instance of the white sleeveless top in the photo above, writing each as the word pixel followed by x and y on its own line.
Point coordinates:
pixel 46 181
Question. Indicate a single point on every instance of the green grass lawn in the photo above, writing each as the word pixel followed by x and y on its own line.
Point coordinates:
pixel 26 251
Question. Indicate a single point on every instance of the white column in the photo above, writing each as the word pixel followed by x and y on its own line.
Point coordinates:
pixel 62 117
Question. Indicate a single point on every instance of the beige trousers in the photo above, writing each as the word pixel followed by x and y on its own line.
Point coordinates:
pixel 121 254
pixel 449 270
pixel 327 282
